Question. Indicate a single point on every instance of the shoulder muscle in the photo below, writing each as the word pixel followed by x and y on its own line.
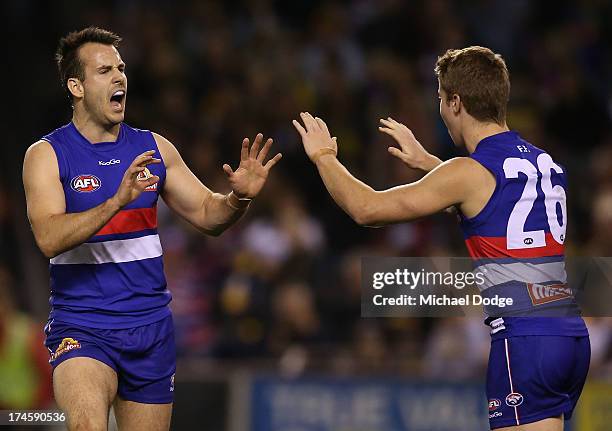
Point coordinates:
pixel 43 189
pixel 168 151
pixel 40 160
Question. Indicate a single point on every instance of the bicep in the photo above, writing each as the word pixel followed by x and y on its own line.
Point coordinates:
pixel 183 192
pixel 445 186
pixel 42 185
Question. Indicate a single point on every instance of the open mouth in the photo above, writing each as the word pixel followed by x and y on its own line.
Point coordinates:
pixel 117 100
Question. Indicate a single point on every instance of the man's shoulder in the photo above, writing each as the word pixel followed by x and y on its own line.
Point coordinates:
pixel 464 172
pixel 135 130
pixel 40 156
pixel 56 135
pixel 462 165
pixel 167 150
pixel 40 148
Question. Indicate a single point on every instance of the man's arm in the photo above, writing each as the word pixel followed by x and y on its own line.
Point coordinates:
pixel 443 187
pixel 56 231
pixel 451 183
pixel 211 212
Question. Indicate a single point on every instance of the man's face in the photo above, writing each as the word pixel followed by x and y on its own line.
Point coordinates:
pixel 105 84
pixel 450 116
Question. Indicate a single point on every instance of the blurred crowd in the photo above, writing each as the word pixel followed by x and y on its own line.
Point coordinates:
pixel 284 284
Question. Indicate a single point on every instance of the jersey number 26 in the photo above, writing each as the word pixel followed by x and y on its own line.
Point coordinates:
pixel 516 235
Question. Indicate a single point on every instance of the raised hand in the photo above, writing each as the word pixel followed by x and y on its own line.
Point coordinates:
pixel 410 150
pixel 315 136
pixel 248 180
pixel 136 179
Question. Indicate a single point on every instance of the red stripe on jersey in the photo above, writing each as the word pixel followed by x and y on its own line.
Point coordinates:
pixel 126 221
pixel 495 247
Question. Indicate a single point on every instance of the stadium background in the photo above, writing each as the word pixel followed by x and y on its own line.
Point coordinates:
pixel 276 298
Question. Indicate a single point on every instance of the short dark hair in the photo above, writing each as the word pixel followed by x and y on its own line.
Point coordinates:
pixel 480 77
pixel 69 64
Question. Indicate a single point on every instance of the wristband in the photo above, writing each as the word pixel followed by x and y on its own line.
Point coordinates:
pixel 322 152
pixel 237 207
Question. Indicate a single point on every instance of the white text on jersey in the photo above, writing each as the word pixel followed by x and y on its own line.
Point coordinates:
pixel 110 162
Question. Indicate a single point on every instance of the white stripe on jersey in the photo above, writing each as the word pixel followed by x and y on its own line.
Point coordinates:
pixel 498 273
pixel 123 250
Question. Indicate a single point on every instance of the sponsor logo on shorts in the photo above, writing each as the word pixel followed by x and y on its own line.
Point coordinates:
pixel 145 175
pixel 543 294
pixel 514 399
pixel 172 383
pixel 85 183
pixel 496 415
pixel 494 404
pixel 66 345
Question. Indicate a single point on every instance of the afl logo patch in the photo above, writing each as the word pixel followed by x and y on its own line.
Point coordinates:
pixel 85 183
pixel 514 399
pixel 494 404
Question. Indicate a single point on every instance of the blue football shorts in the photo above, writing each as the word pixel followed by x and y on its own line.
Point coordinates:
pixel 531 378
pixel 144 357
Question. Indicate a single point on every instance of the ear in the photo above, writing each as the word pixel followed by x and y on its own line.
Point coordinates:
pixel 456 103
pixel 75 86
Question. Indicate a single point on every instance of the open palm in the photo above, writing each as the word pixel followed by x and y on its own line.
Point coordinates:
pixel 248 180
pixel 410 151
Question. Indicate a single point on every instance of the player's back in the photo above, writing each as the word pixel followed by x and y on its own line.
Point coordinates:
pixel 517 240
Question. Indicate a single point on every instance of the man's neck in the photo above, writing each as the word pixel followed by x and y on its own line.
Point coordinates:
pixel 478 131
pixel 94 132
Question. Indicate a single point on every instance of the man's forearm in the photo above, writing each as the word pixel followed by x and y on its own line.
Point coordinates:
pixel 222 211
pixel 351 194
pixel 63 232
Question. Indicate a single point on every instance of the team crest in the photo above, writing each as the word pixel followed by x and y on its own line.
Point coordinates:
pixel 145 175
pixel 514 399
pixel 85 183
pixel 66 345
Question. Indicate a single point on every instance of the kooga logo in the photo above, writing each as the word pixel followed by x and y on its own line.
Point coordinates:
pixel 110 162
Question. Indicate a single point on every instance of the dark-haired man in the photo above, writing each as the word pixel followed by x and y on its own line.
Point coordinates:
pixel 92 188
pixel 512 202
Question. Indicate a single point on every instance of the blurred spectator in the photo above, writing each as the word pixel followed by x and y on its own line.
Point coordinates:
pixel 601 234
pixel 600 332
pixel 24 371
pixel 457 349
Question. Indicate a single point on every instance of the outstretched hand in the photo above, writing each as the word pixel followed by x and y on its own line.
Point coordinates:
pixel 410 150
pixel 315 136
pixel 248 180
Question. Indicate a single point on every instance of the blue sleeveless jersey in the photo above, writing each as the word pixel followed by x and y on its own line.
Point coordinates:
pixel 517 241
pixel 115 279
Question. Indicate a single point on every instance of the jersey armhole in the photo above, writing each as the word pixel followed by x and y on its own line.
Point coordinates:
pixel 162 179
pixel 491 203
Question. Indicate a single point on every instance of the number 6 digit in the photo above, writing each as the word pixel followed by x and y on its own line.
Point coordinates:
pixel 553 196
